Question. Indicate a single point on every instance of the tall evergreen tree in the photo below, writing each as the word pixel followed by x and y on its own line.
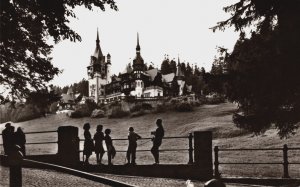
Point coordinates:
pixel 263 69
pixel 165 67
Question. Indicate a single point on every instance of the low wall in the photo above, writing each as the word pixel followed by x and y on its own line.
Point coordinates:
pixel 162 171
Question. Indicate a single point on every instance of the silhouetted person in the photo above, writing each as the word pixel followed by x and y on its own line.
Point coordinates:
pixel 158 135
pixel 8 138
pixel 88 143
pixel 111 152
pixel 20 139
pixel 131 151
pixel 99 137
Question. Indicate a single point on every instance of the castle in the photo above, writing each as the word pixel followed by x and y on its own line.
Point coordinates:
pixel 135 80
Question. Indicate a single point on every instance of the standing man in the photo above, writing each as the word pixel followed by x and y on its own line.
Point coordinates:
pixel 158 135
pixel 131 151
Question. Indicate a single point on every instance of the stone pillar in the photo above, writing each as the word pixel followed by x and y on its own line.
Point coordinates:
pixel 203 152
pixel 68 145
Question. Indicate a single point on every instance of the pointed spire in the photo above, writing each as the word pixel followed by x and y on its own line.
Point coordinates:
pixel 98 52
pixel 178 60
pixel 138 48
pixel 97 40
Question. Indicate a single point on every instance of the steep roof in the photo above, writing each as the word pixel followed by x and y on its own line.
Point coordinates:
pixel 128 69
pixel 168 77
pixel 152 73
pixel 67 98
pixel 98 53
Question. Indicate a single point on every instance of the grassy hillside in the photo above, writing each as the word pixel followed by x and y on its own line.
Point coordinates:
pixel 216 118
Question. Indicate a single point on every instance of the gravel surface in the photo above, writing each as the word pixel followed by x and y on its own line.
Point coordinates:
pixel 45 178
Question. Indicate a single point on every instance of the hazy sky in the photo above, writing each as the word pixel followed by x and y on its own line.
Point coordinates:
pixel 172 27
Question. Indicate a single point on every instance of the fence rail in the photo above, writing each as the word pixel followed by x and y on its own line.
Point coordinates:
pixel 285 161
pixel 38 132
pixel 190 149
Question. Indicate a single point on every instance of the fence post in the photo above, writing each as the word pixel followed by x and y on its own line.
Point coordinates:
pixel 285 162
pixel 68 145
pixel 203 153
pixel 191 160
pixel 15 158
pixel 217 173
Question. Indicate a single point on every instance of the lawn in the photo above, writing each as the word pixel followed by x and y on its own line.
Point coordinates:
pixel 216 118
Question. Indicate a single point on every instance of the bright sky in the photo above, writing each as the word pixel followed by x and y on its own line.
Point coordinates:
pixel 172 27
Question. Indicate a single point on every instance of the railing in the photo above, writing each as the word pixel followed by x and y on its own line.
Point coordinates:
pixel 38 132
pixel 190 149
pixel 285 162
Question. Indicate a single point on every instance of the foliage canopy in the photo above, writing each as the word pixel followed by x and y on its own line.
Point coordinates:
pixel 25 26
pixel 263 69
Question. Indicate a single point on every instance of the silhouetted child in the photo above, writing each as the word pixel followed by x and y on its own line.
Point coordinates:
pixel 88 143
pixel 99 150
pixel 111 152
pixel 20 139
pixel 131 151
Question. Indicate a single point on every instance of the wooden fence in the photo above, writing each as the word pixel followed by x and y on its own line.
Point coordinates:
pixel 284 162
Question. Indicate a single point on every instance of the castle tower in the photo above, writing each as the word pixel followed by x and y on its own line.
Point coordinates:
pixel 138 70
pixel 180 78
pixel 108 69
pixel 97 73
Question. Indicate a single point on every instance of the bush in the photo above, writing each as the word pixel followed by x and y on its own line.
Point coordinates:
pixel 196 103
pixel 216 99
pixel 141 106
pixel 117 112
pixel 136 108
pixel 147 106
pixel 75 114
pixel 97 113
pixel 160 108
pixel 184 107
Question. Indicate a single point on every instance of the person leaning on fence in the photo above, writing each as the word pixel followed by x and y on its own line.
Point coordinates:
pixel 131 151
pixel 111 152
pixel 20 139
pixel 99 150
pixel 88 143
pixel 7 138
pixel 157 139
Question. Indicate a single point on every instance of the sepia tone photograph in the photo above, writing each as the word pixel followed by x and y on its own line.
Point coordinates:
pixel 161 93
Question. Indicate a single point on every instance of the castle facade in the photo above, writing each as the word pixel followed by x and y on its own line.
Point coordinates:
pixel 135 80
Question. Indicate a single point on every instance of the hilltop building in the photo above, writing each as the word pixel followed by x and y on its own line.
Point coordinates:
pixel 135 80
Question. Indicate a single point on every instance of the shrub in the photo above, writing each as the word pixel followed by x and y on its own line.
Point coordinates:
pixel 160 108
pixel 141 106
pixel 117 112
pixel 136 108
pixel 184 107
pixel 97 113
pixel 147 106
pixel 196 103
pixel 75 114
pixel 216 99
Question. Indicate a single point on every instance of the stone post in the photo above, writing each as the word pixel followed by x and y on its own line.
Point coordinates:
pixel 68 146
pixel 203 152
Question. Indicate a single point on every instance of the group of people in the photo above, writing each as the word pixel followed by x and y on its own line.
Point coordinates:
pixel 96 144
pixel 12 138
pixel 99 136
